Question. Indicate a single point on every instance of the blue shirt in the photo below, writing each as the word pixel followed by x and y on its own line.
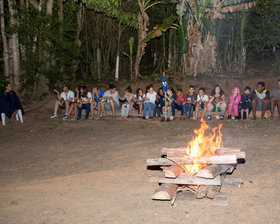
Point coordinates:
pixel 101 93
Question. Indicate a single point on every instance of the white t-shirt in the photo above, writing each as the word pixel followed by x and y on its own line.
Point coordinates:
pixel 151 97
pixel 204 98
pixel 68 95
pixel 115 96
pixel 88 98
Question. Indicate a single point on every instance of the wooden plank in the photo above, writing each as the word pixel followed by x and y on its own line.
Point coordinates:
pixel 239 154
pixel 213 170
pixel 164 151
pixel 187 198
pixel 185 178
pixel 173 171
pixel 222 159
pixel 165 192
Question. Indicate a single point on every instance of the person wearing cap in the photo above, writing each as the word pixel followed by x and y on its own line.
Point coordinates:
pixel 63 101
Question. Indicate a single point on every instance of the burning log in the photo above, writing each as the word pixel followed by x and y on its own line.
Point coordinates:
pixel 173 171
pixel 212 171
pixel 222 159
pixel 165 192
pixel 187 179
pixel 181 152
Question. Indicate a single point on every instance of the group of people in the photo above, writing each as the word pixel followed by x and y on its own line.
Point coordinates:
pixel 150 104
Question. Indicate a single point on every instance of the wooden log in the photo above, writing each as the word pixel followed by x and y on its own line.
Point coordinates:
pixel 222 159
pixel 207 191
pixel 187 179
pixel 213 170
pixel 173 171
pixel 239 154
pixel 165 192
pixel 233 181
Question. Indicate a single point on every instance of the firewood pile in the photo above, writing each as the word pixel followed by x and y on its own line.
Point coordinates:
pixel 206 183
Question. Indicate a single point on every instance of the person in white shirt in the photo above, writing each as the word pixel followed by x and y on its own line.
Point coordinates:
pixel 149 102
pixel 64 100
pixel 84 101
pixel 112 99
pixel 201 103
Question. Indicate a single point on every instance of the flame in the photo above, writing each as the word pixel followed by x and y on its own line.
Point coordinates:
pixel 203 144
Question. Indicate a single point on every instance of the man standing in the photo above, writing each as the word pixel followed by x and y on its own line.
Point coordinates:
pixel 275 99
pixel 9 102
pixel 64 100
pixel 260 100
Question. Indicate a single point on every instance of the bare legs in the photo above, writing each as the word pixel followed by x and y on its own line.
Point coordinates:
pixel 247 114
pixel 254 106
pixel 197 106
pixel 273 102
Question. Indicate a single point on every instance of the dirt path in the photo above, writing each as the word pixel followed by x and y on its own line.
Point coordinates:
pixel 70 172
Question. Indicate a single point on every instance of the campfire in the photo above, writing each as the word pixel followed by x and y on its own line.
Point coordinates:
pixel 199 167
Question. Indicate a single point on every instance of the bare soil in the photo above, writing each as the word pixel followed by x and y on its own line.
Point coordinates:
pixel 72 172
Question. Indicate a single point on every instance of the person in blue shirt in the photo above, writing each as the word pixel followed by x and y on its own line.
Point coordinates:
pixel 97 95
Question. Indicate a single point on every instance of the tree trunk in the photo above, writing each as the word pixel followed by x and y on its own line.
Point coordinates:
pixel 4 40
pixel 15 45
pixel 143 22
pixel 118 53
pixel 98 63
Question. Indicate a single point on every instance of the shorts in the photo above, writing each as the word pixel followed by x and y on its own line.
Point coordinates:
pixel 63 105
pixel 108 106
pixel 136 106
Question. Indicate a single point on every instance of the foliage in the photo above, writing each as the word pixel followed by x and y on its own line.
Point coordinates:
pixel 264 25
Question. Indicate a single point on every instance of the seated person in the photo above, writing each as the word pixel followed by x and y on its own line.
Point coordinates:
pixel 234 100
pixel 217 102
pixel 112 99
pixel 246 102
pixel 64 100
pixel 97 94
pixel 275 99
pixel 191 101
pixel 138 101
pixel 84 102
pixel 170 97
pixel 159 103
pixel 179 102
pixel 149 102
pixel 260 100
pixel 201 103
pixel 127 100
pixel 9 102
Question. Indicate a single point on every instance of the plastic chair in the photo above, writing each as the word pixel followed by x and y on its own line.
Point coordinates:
pixel 18 117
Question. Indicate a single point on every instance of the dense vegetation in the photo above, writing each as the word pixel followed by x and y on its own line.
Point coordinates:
pixel 45 43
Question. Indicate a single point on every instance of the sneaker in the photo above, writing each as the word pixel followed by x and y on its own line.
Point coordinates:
pixel 143 117
pixel 74 119
pixel 194 118
pixel 139 116
pixel 128 116
pixel 263 118
pixel 53 116
pixel 162 119
pixel 253 118
pixel 171 118
pixel 78 118
pixel 209 117
pixel 168 119
pixel 65 117
pixel 222 117
pixel 229 117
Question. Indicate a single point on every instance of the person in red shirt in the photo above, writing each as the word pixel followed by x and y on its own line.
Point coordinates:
pixel 178 104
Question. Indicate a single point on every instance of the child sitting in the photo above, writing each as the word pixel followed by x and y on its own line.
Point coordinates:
pixel 159 103
pixel 170 97
pixel 245 103
pixel 217 102
pixel 126 99
pixel 260 100
pixel 191 101
pixel 149 102
pixel 234 100
pixel 84 101
pixel 138 103
pixel 202 100
pixel 179 102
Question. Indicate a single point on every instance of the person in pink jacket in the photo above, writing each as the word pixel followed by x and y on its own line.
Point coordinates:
pixel 234 100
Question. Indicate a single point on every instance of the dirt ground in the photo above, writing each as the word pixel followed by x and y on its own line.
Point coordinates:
pixel 72 172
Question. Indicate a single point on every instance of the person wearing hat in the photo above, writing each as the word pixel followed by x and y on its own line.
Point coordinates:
pixel 64 100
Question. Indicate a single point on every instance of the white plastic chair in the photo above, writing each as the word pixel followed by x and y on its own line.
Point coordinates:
pixel 18 117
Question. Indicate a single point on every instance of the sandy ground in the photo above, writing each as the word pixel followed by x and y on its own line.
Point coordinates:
pixel 67 172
